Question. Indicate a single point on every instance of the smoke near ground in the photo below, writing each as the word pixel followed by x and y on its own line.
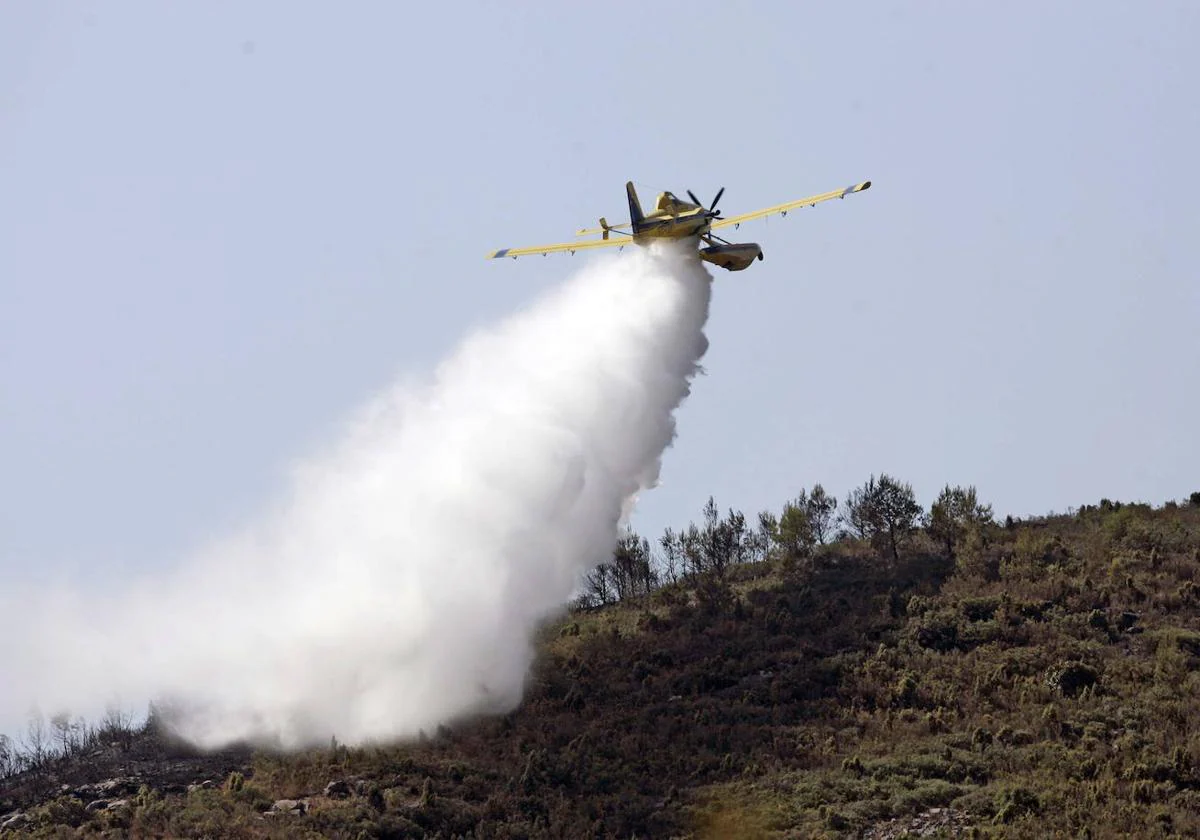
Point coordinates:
pixel 397 584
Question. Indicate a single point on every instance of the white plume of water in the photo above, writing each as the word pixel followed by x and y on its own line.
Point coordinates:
pixel 397 585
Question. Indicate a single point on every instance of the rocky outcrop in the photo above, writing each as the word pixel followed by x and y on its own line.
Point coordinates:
pixel 935 822
pixel 338 789
pixel 14 821
pixel 293 807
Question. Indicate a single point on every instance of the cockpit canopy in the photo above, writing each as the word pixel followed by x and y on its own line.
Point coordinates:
pixel 666 201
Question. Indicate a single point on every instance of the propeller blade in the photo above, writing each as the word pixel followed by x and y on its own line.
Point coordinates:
pixel 713 206
pixel 695 200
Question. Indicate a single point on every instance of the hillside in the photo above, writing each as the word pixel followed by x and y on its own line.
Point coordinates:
pixel 931 670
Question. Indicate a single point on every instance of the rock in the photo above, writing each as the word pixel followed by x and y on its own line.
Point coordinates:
pixel 935 822
pixel 338 789
pixel 106 789
pixel 14 821
pixel 295 807
pixel 116 804
pixel 97 805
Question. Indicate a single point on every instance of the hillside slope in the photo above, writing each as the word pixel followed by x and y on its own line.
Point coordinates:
pixel 1033 679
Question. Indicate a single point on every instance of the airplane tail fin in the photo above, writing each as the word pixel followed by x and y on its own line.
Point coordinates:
pixel 635 207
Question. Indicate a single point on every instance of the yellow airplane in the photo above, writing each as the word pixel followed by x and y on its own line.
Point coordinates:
pixel 673 218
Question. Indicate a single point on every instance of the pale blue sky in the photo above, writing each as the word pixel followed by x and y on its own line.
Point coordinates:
pixel 224 225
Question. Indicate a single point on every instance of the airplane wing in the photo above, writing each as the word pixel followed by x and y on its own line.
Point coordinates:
pixel 791 205
pixel 560 246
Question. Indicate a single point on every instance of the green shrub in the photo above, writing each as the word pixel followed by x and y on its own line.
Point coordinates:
pixel 904 694
pixel 64 810
pixel 1016 802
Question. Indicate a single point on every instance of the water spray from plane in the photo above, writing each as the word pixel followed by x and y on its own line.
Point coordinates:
pixel 397 584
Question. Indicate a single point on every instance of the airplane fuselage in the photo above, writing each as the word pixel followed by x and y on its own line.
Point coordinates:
pixel 673 227
pixel 672 218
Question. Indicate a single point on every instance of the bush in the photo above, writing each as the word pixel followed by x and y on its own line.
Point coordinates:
pixel 980 609
pixel 1072 678
pixel 1015 802
pixel 65 810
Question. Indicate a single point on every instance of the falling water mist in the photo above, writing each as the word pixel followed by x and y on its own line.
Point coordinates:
pixel 397 584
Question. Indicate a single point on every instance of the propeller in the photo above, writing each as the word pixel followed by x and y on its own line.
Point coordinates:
pixel 712 208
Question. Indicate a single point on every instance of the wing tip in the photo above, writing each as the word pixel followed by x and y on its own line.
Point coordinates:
pixel 495 255
pixel 850 190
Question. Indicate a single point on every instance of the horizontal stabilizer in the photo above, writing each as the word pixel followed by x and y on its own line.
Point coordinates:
pixel 602 229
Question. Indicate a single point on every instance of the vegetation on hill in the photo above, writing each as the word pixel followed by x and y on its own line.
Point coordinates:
pixel 830 670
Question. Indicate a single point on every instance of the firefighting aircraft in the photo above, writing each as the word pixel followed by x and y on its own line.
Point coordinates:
pixel 673 218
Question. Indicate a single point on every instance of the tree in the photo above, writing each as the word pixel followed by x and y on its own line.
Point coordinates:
pixel 956 512
pixel 884 512
pixel 857 511
pixel 822 512
pixel 767 533
pixel 631 572
pixel 598 585
pixel 737 537
pixel 37 740
pixel 117 724
pixel 10 761
pixel 718 543
pixel 672 554
pixel 61 724
pixel 794 536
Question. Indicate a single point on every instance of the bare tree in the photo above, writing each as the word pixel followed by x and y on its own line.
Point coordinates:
pixel 599 584
pixel 83 735
pixel 37 740
pixel 117 725
pixel 60 724
pixel 765 535
pixel 631 572
pixel 719 542
pixel 672 554
pixel 10 759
